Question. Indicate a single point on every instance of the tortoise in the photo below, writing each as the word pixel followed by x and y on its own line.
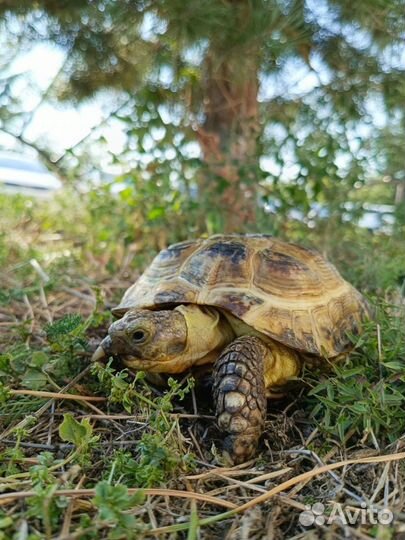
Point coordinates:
pixel 254 306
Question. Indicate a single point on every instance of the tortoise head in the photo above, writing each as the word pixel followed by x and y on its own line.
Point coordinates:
pixel 145 340
pixel 167 341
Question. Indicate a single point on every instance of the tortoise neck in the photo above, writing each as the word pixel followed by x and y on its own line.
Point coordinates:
pixel 208 332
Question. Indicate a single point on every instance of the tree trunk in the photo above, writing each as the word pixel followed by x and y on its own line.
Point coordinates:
pixel 228 138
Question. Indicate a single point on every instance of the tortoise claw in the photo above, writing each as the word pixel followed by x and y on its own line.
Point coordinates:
pixel 99 355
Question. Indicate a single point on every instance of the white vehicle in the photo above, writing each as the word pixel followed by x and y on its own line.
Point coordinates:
pixel 26 175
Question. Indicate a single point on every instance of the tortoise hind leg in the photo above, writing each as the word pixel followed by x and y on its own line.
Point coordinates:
pixel 241 375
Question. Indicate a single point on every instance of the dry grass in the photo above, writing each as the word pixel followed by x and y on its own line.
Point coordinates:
pixel 199 496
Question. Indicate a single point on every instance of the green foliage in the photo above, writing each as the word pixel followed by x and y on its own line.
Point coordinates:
pixel 5 522
pixel 41 474
pixel 78 433
pixel 157 461
pixel 67 326
pixel 158 451
pixel 117 386
pixel 44 506
pixel 34 369
pixel 366 393
pixel 113 503
pixel 10 460
pixel 4 394
pixel 329 120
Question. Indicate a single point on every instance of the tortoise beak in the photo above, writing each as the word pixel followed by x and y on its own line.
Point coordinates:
pixel 103 350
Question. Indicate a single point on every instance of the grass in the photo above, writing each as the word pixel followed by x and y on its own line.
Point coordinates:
pixel 145 462
pixel 366 392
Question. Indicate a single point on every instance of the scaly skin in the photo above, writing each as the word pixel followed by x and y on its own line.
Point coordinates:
pixel 239 393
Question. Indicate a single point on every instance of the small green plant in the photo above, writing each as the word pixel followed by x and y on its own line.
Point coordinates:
pixel 113 504
pixel 10 460
pixel 159 449
pixel 44 505
pixel 155 463
pixel 67 340
pixel 42 369
pixel 80 434
pixel 119 388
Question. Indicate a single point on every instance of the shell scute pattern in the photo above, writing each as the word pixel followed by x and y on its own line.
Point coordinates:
pixel 287 292
pixel 239 303
pixel 222 263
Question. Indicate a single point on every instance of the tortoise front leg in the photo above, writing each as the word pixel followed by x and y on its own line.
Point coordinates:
pixel 242 374
pixel 240 396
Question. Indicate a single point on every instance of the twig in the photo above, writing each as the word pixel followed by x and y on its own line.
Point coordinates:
pixel 252 481
pixel 381 483
pixel 55 395
pixel 51 423
pixel 69 511
pixel 40 446
pixel 197 446
pixel 240 483
pixel 5 498
pixel 85 297
pixel 141 417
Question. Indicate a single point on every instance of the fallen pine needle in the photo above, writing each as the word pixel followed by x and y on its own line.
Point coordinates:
pixel 228 471
pixel 55 395
pixel 241 469
pixel 5 498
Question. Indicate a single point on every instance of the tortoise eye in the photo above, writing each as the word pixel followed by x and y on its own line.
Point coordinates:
pixel 139 336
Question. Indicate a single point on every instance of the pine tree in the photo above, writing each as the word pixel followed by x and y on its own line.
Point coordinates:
pixel 214 64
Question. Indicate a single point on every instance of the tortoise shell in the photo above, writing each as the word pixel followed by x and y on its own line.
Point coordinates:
pixel 287 292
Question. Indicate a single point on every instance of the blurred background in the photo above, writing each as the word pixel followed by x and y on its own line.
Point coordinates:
pixel 125 126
